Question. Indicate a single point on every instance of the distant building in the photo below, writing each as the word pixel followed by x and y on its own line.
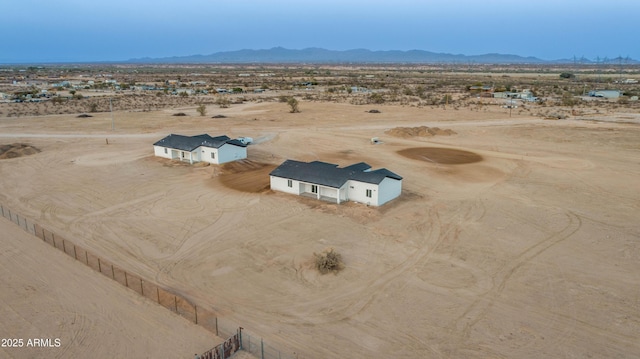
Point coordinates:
pixel 525 95
pixel 605 93
pixel 482 91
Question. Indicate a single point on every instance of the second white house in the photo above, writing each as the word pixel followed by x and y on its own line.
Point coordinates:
pixel 200 148
pixel 327 181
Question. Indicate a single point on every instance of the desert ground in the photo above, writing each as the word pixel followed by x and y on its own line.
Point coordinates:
pixel 514 237
pixel 47 295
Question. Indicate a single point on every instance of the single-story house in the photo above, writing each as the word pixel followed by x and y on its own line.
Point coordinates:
pixel 200 148
pixel 327 181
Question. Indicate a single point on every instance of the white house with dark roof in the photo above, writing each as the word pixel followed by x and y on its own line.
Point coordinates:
pixel 200 148
pixel 327 181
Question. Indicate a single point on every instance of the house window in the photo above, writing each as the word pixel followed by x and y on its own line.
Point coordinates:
pixel 369 193
pixel 213 155
pixel 289 183
pixel 165 150
pixel 314 188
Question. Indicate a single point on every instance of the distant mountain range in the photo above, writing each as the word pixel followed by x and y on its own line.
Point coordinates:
pixel 323 56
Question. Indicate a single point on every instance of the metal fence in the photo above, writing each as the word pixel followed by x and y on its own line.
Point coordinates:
pixel 164 296
pixel 257 347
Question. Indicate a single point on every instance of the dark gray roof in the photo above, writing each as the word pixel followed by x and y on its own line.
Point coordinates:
pixel 190 143
pixel 330 175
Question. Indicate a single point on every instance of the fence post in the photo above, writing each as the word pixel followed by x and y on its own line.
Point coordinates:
pixel 99 266
pixel 126 282
pixel 64 249
pixel 141 287
pixel 53 239
pixel 75 253
pixel 113 274
pixel 261 348
pixel 217 327
pixel 195 310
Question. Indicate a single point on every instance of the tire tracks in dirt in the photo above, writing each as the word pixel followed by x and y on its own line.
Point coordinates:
pixel 460 329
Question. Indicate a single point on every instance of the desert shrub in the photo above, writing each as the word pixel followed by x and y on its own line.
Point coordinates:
pixel 223 102
pixel 567 75
pixel 93 107
pixel 58 100
pixel 293 105
pixel 328 261
pixel 568 99
pixel 376 98
pixel 202 109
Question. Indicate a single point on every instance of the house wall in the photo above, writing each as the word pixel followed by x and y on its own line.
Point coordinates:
pixel 205 154
pixel 388 189
pixel 159 151
pixel 228 153
pixel 280 184
pixel 328 192
pixel 358 192
pixel 172 153
pixel 381 193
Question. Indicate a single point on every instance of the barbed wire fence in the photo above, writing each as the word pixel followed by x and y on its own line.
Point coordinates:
pixel 237 337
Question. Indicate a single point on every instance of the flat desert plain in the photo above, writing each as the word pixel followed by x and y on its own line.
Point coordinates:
pixel 515 237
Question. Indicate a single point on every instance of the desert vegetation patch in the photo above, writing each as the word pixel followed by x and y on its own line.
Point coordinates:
pixel 420 131
pixel 446 156
pixel 328 261
pixel 15 150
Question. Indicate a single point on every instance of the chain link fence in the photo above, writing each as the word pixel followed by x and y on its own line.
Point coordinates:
pixel 237 339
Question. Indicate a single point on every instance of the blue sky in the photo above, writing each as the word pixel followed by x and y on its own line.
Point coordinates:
pixel 38 31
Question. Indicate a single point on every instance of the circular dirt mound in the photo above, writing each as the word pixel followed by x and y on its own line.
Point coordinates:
pixel 246 175
pixel 17 150
pixel 446 156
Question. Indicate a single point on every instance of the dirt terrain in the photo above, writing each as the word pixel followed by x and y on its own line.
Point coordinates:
pixel 47 295
pixel 514 237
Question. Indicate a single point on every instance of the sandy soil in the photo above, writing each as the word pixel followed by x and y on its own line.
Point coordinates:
pixel 47 295
pixel 514 238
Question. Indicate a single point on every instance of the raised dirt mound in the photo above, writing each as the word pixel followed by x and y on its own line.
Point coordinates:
pixel 421 131
pixel 245 175
pixel 17 150
pixel 446 156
